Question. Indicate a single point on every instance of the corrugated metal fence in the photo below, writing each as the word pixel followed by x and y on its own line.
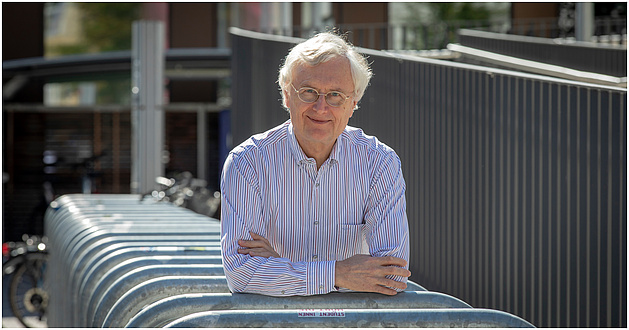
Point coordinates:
pixel 516 183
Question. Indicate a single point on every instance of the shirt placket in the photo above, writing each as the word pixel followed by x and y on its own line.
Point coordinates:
pixel 315 213
pixel 316 249
pixel 319 192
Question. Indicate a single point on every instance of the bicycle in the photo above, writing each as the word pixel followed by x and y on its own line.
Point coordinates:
pixel 26 262
pixel 186 191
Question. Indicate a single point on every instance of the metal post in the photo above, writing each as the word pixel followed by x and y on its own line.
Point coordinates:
pixel 266 19
pixel 234 12
pixel 584 27
pixel 222 25
pixel 147 115
pixel 317 21
pixel 286 9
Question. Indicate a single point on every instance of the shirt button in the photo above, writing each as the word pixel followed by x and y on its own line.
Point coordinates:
pixel 316 184
pixel 314 257
pixel 321 287
pixel 316 223
pixel 282 291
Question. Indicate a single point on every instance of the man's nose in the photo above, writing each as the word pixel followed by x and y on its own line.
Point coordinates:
pixel 320 104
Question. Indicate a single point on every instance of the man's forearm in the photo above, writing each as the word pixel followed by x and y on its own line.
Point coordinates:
pixel 278 276
pixel 372 274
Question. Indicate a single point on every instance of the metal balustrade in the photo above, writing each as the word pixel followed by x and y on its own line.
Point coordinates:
pixel 116 262
pixel 586 57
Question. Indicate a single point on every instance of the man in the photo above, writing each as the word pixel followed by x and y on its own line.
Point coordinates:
pixel 314 206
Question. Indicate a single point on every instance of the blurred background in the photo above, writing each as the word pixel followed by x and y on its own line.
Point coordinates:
pixel 68 95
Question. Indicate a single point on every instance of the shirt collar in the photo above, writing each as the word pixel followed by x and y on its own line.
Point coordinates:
pixel 301 157
pixel 295 149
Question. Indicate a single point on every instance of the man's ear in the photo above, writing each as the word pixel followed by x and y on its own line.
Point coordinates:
pixel 353 108
pixel 286 98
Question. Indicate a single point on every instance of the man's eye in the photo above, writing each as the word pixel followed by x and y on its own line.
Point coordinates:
pixel 335 94
pixel 309 91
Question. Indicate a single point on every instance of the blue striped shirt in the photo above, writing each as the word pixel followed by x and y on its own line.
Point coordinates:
pixel 353 204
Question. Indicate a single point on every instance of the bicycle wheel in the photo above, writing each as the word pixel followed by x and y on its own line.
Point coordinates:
pixel 27 296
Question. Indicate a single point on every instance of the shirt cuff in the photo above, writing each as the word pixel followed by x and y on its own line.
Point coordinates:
pixel 320 277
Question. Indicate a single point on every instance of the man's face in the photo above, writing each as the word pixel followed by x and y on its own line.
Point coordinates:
pixel 318 124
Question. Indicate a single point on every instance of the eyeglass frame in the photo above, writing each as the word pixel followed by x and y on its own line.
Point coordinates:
pixel 325 96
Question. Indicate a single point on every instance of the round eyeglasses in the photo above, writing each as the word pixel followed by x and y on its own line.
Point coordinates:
pixel 311 95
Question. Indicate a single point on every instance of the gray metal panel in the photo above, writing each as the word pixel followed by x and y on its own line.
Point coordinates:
pixel 256 90
pixel 516 183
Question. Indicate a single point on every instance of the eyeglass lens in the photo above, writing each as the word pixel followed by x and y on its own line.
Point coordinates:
pixel 310 95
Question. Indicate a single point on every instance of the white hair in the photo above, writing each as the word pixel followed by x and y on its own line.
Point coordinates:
pixel 321 48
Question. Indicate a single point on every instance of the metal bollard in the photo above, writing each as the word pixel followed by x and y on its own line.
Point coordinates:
pixel 153 290
pixel 169 309
pixel 352 318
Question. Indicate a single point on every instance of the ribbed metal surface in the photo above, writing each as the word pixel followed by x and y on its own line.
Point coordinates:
pixel 254 86
pixel 516 184
pixel 91 235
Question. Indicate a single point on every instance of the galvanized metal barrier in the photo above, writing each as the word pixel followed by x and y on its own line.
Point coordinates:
pixel 151 291
pixel 116 262
pixel 170 309
pixel 99 290
pixel 352 318
pixel 100 305
pixel 93 234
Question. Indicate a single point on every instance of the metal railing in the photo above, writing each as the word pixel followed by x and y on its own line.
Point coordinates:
pixel 422 36
pixel 116 262
pixel 582 56
pixel 402 36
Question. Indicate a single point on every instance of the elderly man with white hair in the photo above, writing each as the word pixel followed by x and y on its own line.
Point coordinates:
pixel 313 205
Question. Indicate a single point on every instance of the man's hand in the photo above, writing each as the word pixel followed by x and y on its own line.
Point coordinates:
pixel 367 274
pixel 259 247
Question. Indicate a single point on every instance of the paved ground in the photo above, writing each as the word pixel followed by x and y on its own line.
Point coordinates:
pixel 11 322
